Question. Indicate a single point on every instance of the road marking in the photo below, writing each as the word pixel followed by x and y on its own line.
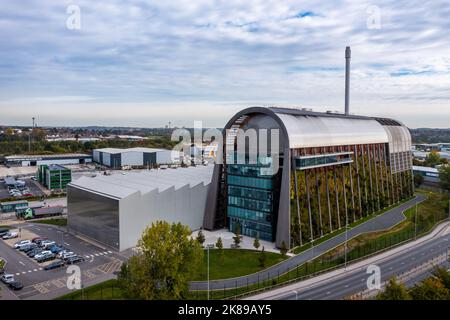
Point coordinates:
pixel 29 271
pixel 18 274
pixel 109 251
pixel 96 254
pixel 346 285
pixel 67 244
pixel 38 229
pixel 40 268
pixel 328 292
pixel 35 270
pixel 21 263
pixel 101 253
pixel 23 272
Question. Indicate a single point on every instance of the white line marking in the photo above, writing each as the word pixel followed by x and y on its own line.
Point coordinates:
pixel 38 229
pixel 29 271
pixel 40 268
pixel 21 263
pixel 34 270
pixel 67 244
pixel 23 272
pixel 18 274
pixel 96 254
pixel 109 251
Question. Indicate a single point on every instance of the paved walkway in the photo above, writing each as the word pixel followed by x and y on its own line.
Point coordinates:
pixel 382 222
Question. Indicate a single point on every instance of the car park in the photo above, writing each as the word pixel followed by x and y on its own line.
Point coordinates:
pixel 74 259
pixel 10 235
pixel 21 243
pixel 7 278
pixel 55 265
pixel 15 285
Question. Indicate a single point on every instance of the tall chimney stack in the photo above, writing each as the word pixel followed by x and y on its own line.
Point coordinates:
pixel 348 54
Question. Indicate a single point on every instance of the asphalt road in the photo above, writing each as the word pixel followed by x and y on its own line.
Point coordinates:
pixel 98 262
pixel 379 223
pixel 353 282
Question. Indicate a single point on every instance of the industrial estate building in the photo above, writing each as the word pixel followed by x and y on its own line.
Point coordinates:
pixel 430 175
pixel 115 209
pixel 334 169
pixel 36 160
pixel 54 177
pixel 135 157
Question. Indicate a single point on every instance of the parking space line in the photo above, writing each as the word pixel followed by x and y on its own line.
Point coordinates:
pixel 34 269
pixel 21 263
pixel 23 272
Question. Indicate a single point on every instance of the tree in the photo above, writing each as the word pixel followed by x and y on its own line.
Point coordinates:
pixel 430 289
pixel 394 291
pixel 283 249
pixel 418 180
pixel 262 258
pixel 168 258
pixel 219 245
pixel 200 237
pixel 444 177
pixel 256 243
pixel 432 159
pixel 443 275
pixel 237 235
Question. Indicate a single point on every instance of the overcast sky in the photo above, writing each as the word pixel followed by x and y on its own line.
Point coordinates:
pixel 144 63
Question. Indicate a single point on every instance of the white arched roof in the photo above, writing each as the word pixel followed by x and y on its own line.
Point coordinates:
pixel 314 131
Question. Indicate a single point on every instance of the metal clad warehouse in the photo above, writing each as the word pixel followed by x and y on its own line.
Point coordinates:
pixel 115 209
pixel 117 158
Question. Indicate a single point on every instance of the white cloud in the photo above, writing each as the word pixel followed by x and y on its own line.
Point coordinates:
pixel 141 55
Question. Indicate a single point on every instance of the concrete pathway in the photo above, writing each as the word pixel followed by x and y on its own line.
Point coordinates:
pixel 381 222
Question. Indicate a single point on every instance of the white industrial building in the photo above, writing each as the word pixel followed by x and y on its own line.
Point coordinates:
pixel 37 160
pixel 115 209
pixel 135 157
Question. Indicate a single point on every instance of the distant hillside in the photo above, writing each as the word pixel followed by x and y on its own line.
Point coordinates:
pixel 427 135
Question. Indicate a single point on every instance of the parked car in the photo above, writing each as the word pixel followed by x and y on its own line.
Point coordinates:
pixel 45 257
pixel 34 252
pixel 55 265
pixel 33 178
pixel 44 252
pixel 46 244
pixel 38 240
pixel 3 231
pixel 7 278
pixel 55 249
pixel 28 247
pixel 75 259
pixel 15 285
pixel 21 243
pixel 67 255
pixel 10 235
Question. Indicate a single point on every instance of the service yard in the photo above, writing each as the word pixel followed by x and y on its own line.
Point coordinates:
pixel 99 263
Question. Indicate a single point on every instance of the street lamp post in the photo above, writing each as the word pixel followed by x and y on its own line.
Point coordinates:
pixel 415 224
pixel 209 246
pixel 346 239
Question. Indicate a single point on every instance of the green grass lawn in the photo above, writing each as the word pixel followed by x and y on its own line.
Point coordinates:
pixel 235 263
pixel 62 222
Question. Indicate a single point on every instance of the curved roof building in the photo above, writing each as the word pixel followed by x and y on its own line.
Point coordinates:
pixel 332 168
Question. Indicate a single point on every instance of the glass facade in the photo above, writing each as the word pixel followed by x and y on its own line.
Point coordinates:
pixel 250 199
